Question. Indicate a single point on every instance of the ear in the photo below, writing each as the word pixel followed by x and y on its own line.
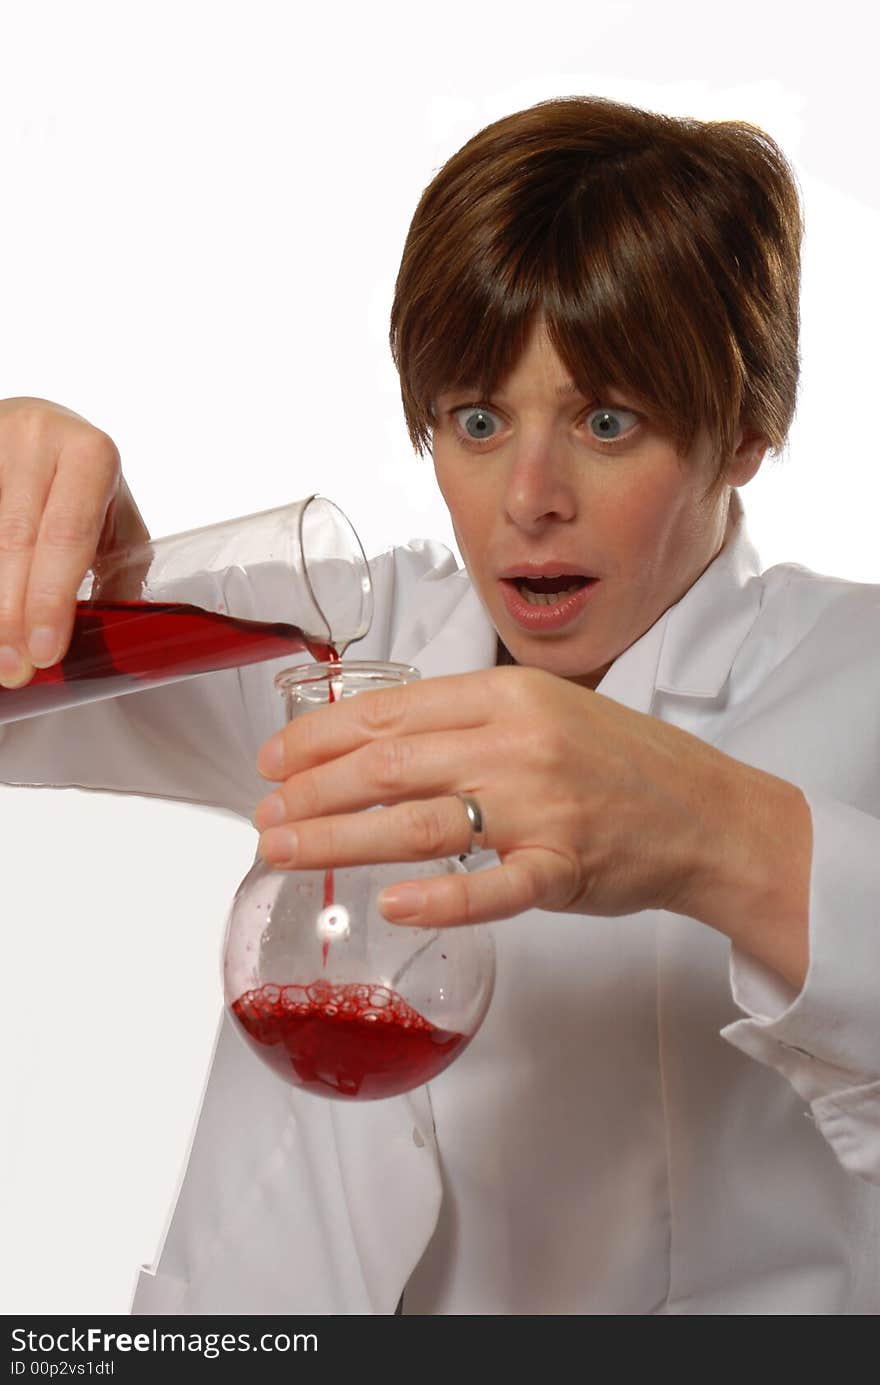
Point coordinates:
pixel 747 457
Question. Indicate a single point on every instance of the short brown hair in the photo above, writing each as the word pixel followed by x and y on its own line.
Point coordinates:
pixel 662 252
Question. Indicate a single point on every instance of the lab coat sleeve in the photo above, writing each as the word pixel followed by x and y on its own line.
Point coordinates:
pixel 825 1038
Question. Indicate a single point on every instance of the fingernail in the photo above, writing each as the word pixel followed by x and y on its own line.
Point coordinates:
pixel 402 902
pixel 270 812
pixel 43 645
pixel 271 758
pixel 12 665
pixel 278 846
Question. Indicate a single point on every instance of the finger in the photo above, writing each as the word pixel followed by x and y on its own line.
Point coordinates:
pixel 422 831
pixel 528 879
pixel 83 487
pixel 385 772
pixel 456 702
pixel 22 500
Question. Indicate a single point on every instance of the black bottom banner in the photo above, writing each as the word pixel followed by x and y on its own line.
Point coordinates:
pixel 125 1349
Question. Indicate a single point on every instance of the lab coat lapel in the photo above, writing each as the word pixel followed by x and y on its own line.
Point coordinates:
pixel 688 653
pixel 707 628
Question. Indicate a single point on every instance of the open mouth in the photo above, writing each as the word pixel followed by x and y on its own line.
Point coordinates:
pixel 549 591
pixel 547 605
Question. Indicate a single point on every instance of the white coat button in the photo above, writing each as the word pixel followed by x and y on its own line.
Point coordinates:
pixel 418 1138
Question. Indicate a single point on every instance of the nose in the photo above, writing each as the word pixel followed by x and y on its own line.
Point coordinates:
pixel 539 485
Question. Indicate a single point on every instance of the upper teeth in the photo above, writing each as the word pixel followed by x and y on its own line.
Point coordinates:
pixel 546 598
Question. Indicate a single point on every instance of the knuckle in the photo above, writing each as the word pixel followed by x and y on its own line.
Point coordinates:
pixel 531 883
pixel 559 879
pixel 502 683
pixel 389 759
pixel 328 836
pixel 381 709
pixel 65 527
pixel 542 746
pixel 458 904
pixel 47 592
pixel 11 628
pixel 534 683
pixel 47 609
pixel 525 688
pixel 105 464
pixel 425 830
pixel 563 879
pixel 307 796
pixel 557 745
pixel 18 531
pixel 91 446
pixel 105 450
pixel 24 417
pixel 41 427
pixel 302 741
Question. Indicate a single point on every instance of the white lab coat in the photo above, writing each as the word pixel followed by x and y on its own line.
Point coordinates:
pixel 648 1121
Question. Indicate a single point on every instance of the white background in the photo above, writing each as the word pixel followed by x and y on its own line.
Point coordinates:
pixel 204 206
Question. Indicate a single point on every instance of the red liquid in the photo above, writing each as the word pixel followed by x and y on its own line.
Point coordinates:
pixel 328 874
pixel 355 1041
pixel 140 644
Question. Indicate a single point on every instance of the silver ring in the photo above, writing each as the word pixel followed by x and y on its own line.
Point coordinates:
pixel 475 818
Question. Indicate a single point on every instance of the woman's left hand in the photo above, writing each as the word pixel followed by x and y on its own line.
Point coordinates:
pixel 592 808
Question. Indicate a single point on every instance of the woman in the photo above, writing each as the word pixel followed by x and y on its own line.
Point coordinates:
pixel 672 755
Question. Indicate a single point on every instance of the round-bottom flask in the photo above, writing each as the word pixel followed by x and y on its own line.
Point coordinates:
pixel 322 988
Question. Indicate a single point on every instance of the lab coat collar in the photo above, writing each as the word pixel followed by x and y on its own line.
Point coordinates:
pixel 688 652
pixel 706 629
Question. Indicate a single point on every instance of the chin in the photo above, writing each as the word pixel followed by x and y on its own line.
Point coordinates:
pixel 552 657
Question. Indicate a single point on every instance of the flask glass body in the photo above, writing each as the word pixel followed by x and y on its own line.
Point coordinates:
pixel 323 989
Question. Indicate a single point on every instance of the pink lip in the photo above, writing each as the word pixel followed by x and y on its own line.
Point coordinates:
pixel 545 569
pixel 538 619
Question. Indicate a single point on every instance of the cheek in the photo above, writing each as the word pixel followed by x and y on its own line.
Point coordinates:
pixel 444 473
pixel 470 508
pixel 648 521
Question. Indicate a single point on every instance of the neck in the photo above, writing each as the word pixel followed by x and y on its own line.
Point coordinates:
pixel 503 654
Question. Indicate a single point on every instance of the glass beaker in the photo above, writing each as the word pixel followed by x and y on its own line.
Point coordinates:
pixel 173 608
pixel 328 993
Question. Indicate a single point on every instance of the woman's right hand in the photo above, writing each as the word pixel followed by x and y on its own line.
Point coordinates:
pixel 63 503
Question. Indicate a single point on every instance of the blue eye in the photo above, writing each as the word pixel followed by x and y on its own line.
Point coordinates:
pixel 478 424
pixel 609 429
pixel 481 422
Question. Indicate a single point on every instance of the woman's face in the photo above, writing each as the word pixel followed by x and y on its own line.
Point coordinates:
pixel 535 494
